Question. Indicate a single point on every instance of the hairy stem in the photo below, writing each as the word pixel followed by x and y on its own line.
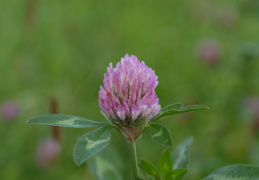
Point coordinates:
pixel 133 153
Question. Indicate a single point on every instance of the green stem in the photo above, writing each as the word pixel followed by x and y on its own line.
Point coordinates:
pixel 133 153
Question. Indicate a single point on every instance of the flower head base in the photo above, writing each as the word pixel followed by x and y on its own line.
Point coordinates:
pixel 128 97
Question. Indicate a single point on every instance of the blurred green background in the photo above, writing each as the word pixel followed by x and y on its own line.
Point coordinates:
pixel 204 52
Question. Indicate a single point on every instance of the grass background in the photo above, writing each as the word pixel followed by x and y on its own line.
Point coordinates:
pixel 62 48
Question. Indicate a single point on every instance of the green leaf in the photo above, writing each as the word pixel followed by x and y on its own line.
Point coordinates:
pixel 91 143
pixel 176 106
pixel 149 168
pixel 180 155
pixel 235 172
pixel 177 109
pixel 165 164
pixel 65 121
pixel 106 165
pixel 177 174
pixel 161 134
pixel 173 106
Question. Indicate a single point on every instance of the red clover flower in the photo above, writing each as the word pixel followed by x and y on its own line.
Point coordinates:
pixel 129 102
pixel 128 97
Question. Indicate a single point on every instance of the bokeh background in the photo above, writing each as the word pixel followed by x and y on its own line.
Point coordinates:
pixel 204 52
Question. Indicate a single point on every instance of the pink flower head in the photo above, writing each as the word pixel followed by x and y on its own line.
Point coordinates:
pixel 128 95
pixel 209 51
pixel 48 150
pixel 10 110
